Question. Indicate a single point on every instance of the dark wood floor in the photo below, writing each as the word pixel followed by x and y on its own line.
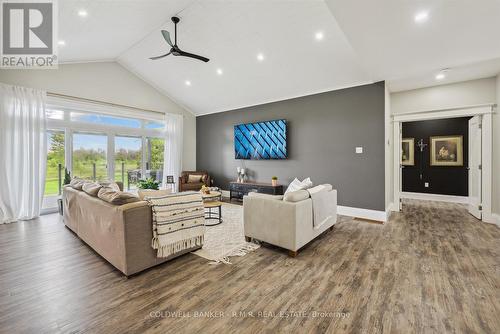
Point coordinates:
pixel 431 269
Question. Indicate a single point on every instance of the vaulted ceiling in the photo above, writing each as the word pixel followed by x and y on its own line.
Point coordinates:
pixel 308 46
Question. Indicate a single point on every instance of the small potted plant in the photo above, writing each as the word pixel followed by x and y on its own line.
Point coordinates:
pixel 274 181
pixel 149 184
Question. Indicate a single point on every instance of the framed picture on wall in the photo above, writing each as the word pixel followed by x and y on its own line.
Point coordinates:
pixel 447 151
pixel 408 151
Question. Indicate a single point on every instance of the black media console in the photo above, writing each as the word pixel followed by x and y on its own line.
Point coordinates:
pixel 238 189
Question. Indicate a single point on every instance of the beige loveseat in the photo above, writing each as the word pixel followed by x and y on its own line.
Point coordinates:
pixel 287 223
pixel 121 234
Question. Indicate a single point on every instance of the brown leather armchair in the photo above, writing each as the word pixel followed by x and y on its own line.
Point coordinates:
pixel 185 185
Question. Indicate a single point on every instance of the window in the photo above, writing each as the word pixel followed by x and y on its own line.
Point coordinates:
pixel 101 146
pixel 89 156
pixel 55 114
pixel 154 125
pixel 128 157
pixel 105 120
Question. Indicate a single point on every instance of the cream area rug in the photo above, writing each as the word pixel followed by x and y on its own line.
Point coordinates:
pixel 227 239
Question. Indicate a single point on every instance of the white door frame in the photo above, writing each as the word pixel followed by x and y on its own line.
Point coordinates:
pixel 487 144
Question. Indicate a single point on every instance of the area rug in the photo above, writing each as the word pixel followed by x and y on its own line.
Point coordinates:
pixel 227 239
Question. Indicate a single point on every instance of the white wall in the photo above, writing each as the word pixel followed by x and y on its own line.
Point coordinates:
pixel 462 94
pixel 109 82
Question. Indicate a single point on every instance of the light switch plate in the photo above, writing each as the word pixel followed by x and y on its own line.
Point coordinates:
pixel 359 149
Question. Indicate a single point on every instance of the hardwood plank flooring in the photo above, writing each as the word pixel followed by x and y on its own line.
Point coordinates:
pixel 431 269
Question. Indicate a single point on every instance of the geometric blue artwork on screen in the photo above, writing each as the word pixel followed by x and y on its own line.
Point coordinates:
pixel 261 140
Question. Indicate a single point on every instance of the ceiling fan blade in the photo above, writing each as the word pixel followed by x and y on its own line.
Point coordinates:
pixel 191 55
pixel 158 57
pixel 166 35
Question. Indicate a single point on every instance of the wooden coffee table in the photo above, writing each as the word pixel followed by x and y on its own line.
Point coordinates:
pixel 213 211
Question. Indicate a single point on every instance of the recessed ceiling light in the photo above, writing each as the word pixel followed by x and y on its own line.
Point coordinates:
pixel 219 71
pixel 61 42
pixel 188 83
pixel 260 57
pixel 319 35
pixel 421 17
pixel 82 13
pixel 440 76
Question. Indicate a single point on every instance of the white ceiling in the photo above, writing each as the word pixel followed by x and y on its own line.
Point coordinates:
pixel 393 47
pixel 364 41
pixel 111 26
pixel 483 69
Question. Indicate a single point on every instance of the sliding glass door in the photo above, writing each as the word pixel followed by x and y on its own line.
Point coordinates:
pixel 55 168
pixel 90 156
pixel 128 161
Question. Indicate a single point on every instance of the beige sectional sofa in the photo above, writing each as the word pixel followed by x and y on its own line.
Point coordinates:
pixel 285 222
pixel 121 234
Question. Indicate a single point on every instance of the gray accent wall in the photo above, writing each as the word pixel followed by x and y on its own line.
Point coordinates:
pixel 323 133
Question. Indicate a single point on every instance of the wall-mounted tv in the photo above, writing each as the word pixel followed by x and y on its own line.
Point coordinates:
pixel 261 140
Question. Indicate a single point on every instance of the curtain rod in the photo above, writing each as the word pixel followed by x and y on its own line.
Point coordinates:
pixel 100 102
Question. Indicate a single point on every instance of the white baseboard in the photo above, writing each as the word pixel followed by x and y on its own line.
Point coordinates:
pixel 496 219
pixel 436 197
pixel 391 208
pixel 363 213
pixel 492 219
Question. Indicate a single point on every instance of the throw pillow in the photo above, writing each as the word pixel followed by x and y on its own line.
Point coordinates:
pixel 299 185
pixel 110 184
pixel 77 183
pixel 194 178
pixel 307 182
pixel 92 188
pixel 152 193
pixel 294 186
pixel 116 197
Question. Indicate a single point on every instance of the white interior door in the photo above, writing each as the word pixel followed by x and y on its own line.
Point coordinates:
pixel 475 166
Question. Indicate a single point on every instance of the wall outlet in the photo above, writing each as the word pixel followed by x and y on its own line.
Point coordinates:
pixel 426 184
pixel 359 150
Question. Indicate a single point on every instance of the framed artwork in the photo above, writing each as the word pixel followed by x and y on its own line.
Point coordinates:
pixel 447 151
pixel 408 151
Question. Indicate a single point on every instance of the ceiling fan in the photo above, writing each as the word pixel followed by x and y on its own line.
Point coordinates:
pixel 175 50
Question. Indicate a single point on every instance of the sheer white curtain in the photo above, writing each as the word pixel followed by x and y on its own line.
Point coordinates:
pixel 172 157
pixel 22 152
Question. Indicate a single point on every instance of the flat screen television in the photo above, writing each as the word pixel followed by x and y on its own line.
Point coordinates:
pixel 260 140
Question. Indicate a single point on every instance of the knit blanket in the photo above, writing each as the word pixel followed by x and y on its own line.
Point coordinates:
pixel 178 222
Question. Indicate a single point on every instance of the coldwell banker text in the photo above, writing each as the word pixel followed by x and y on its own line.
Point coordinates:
pixel 29 34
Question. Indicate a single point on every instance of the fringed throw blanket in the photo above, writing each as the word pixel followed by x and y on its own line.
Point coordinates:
pixel 178 222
